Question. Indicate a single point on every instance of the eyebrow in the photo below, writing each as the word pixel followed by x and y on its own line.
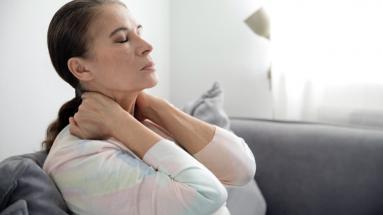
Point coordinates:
pixel 122 29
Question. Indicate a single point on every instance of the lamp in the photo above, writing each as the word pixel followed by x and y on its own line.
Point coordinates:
pixel 259 23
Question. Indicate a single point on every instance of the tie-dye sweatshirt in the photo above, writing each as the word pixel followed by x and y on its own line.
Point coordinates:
pixel 105 177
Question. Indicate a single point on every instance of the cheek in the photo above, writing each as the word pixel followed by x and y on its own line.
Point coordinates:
pixel 110 61
pixel 113 67
pixel 116 59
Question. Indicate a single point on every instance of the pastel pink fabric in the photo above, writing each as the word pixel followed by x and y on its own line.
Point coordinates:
pixel 105 177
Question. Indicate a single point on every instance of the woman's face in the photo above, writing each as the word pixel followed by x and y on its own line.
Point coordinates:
pixel 118 58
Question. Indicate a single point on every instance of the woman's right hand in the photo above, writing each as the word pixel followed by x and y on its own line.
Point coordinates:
pixel 96 117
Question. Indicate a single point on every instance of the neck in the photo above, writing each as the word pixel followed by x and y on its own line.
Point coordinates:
pixel 126 100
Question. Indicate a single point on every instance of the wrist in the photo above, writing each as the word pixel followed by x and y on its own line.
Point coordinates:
pixel 120 123
pixel 134 135
pixel 156 109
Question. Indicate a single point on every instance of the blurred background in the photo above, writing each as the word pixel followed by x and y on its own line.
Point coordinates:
pixel 301 60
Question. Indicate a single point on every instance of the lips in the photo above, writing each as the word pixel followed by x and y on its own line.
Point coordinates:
pixel 148 66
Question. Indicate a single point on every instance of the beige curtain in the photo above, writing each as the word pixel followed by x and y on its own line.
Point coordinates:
pixel 328 60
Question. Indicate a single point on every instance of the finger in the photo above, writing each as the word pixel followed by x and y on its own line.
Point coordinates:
pixel 72 124
pixel 74 129
pixel 71 120
pixel 85 116
pixel 75 117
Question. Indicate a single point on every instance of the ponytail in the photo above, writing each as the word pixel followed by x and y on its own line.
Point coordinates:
pixel 66 111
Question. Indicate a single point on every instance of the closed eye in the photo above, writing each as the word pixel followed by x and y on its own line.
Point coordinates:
pixel 139 30
pixel 123 41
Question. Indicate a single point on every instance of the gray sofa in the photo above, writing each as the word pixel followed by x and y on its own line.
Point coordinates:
pixel 316 169
pixel 302 169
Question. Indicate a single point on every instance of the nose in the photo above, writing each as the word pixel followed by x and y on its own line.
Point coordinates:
pixel 143 48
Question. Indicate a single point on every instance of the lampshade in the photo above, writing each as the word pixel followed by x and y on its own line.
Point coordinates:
pixel 259 22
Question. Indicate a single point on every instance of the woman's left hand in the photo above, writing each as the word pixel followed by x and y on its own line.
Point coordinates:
pixel 146 106
pixel 95 116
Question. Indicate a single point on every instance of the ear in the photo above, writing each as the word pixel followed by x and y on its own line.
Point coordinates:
pixel 78 68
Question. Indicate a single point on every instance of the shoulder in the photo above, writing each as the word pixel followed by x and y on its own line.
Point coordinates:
pixel 68 149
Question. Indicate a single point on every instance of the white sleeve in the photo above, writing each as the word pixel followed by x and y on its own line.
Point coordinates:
pixel 229 158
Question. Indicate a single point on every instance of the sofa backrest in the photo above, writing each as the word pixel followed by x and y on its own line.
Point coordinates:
pixel 316 169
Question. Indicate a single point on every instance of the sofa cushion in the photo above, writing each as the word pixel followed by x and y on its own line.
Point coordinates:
pixel 316 169
pixel 22 178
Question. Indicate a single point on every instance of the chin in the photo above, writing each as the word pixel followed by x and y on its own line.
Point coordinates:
pixel 153 82
pixel 152 85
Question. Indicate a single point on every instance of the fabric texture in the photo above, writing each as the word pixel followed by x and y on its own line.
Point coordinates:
pixel 209 107
pixel 25 187
pixel 17 208
pixel 316 169
pixel 168 180
pixel 242 200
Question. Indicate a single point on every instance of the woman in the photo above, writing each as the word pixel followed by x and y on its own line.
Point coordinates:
pixel 115 149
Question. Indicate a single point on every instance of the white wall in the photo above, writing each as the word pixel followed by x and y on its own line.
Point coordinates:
pixel 31 92
pixel 195 43
pixel 211 42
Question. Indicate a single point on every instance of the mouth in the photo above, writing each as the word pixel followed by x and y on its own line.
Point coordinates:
pixel 149 66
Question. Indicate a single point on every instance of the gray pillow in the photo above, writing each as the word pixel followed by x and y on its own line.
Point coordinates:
pixel 17 208
pixel 209 107
pixel 22 178
pixel 245 200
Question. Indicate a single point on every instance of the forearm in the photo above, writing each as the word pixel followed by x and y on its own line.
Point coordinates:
pixel 134 135
pixel 191 133
pixel 220 150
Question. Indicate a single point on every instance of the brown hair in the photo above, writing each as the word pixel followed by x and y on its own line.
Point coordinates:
pixel 67 37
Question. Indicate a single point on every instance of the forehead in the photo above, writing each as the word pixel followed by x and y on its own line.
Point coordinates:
pixel 108 18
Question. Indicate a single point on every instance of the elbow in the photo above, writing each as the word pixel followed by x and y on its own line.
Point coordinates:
pixel 221 196
pixel 245 167
pixel 212 198
pixel 242 165
pixel 217 196
pixel 246 175
pixel 243 172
